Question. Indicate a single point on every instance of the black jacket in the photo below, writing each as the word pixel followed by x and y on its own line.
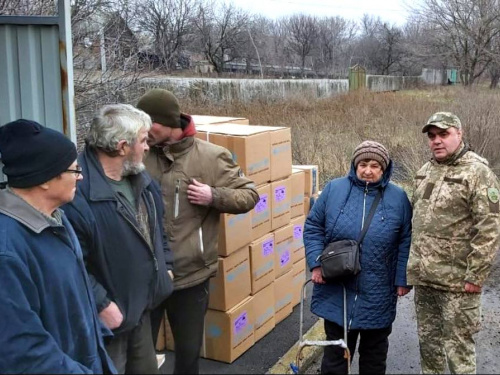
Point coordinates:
pixel 121 264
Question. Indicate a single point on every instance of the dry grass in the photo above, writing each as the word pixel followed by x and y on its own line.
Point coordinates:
pixel 326 131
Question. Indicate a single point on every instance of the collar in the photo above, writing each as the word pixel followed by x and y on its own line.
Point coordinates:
pixel 174 150
pixel 186 141
pixel 95 180
pixel 18 209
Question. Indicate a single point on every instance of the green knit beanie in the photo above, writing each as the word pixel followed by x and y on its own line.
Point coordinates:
pixel 162 106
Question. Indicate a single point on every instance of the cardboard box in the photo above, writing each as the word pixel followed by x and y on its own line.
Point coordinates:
pixel 231 285
pixel 299 278
pixel 263 305
pixel 309 202
pixel 283 240
pixel 297 181
pixel 212 120
pixel 262 260
pixel 229 334
pixel 281 150
pixel 160 341
pixel 235 231
pixel 298 251
pixel 169 337
pixel 307 205
pixel 281 192
pixel 283 294
pixel 281 153
pixel 250 147
pixel 261 213
pixel 311 186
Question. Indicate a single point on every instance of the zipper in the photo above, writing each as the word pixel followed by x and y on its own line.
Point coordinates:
pixel 364 206
pixel 353 307
pixel 176 203
pixel 356 281
pixel 200 234
pixel 142 236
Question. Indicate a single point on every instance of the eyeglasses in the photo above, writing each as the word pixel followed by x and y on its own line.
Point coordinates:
pixel 77 171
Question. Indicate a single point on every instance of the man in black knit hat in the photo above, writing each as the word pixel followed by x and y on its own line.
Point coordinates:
pixel 48 318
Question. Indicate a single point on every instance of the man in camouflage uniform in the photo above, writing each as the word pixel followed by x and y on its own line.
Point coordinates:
pixel 456 227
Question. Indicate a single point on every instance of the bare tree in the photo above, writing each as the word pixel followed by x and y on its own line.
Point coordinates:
pixel 303 32
pixel 335 37
pixel 258 44
pixel 463 30
pixel 279 54
pixel 28 7
pixel 380 44
pixel 222 33
pixel 168 22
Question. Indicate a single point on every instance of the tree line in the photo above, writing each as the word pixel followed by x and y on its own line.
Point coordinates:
pixel 167 35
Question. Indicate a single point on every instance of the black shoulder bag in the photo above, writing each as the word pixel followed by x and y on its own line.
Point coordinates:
pixel 340 259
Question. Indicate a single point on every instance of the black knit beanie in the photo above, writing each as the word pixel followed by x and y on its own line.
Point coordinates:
pixel 162 106
pixel 33 154
pixel 370 150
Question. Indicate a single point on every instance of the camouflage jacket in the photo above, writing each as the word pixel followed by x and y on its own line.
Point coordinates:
pixel 456 223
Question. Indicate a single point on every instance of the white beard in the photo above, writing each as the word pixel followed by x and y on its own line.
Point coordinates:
pixel 130 168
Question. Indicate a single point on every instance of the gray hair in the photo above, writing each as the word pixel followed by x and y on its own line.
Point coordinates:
pixel 114 123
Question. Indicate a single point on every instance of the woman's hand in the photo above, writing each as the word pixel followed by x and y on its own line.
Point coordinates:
pixel 402 291
pixel 316 276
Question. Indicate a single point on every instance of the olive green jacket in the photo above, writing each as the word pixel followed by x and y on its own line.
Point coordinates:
pixel 456 223
pixel 193 230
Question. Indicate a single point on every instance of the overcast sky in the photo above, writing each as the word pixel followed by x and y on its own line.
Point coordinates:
pixel 392 11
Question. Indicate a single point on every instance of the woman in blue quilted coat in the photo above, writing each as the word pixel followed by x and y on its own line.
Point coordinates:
pixel 372 294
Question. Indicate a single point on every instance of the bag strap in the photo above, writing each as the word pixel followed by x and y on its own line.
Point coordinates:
pixel 370 216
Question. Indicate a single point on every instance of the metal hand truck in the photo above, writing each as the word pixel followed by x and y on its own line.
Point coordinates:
pixel 303 343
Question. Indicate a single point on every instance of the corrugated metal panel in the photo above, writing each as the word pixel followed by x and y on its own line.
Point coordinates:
pixel 36 70
pixel 30 74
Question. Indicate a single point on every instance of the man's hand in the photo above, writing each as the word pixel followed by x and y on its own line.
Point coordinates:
pixel 471 288
pixel 316 276
pixel 199 193
pixel 171 274
pixel 402 291
pixel 111 316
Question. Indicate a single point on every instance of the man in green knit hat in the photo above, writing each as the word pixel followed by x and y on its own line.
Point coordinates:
pixel 199 181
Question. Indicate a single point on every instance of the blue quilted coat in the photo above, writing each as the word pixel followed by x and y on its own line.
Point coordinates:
pixel 337 215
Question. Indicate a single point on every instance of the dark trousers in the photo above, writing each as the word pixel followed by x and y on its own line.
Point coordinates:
pixel 186 309
pixel 133 352
pixel 373 347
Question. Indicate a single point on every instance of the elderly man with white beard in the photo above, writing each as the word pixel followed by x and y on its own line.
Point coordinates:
pixel 117 215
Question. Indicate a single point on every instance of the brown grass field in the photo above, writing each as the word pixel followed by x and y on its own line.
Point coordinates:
pixel 326 131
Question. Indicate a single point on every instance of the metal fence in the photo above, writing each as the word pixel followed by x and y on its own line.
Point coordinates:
pixel 36 70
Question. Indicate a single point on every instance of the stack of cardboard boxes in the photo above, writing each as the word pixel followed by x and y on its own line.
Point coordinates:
pixel 261 253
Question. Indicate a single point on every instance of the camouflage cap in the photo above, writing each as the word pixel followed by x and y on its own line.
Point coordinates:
pixel 442 120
